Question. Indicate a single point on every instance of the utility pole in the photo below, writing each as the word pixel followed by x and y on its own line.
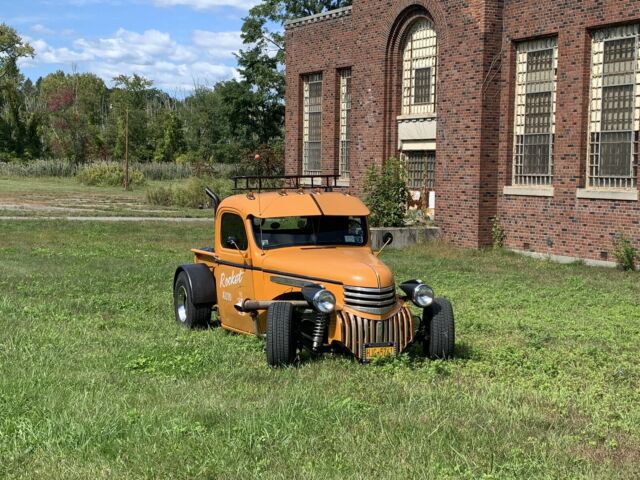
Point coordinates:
pixel 126 149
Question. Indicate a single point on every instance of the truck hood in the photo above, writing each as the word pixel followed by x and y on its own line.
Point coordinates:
pixel 355 266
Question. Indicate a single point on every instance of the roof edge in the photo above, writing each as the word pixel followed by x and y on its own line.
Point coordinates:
pixel 318 17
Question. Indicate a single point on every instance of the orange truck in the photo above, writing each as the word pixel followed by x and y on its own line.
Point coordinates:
pixel 295 266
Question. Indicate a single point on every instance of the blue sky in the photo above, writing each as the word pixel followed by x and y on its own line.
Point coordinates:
pixel 175 43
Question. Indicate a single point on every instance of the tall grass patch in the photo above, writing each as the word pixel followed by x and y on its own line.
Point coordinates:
pixel 108 174
pixel 188 194
pixel 38 168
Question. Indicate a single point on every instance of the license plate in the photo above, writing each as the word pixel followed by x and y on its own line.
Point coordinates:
pixel 374 350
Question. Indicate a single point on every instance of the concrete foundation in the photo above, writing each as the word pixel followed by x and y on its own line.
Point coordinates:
pixel 403 237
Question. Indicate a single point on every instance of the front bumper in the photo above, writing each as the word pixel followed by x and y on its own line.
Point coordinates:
pixel 357 331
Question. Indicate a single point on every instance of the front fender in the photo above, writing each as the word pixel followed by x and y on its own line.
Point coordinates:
pixel 201 281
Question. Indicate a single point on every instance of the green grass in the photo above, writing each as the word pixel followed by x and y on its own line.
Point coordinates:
pixel 97 381
pixel 66 197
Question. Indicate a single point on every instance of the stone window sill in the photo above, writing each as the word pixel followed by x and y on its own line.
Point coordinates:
pixel 524 191
pixel 625 195
pixel 416 117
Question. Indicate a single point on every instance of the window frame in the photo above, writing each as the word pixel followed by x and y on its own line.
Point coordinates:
pixel 421 37
pixel 595 178
pixel 308 110
pixel 526 89
pixel 345 86
pixel 223 237
pixel 424 175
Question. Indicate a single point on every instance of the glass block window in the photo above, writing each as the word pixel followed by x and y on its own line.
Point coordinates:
pixel 420 58
pixel 345 123
pixel 535 107
pixel 614 109
pixel 421 169
pixel 312 125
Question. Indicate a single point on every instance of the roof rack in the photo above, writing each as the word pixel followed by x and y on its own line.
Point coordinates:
pixel 285 182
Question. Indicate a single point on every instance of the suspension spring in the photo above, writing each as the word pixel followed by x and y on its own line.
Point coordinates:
pixel 319 330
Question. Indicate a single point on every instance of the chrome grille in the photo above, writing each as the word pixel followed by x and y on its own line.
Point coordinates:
pixel 356 331
pixel 370 300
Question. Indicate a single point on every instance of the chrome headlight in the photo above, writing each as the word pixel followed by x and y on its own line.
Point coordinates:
pixel 423 295
pixel 419 293
pixel 322 299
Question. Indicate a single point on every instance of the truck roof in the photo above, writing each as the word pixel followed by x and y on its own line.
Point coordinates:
pixel 296 203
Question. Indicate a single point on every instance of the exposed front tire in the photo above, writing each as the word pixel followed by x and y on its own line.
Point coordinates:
pixel 439 330
pixel 188 315
pixel 281 341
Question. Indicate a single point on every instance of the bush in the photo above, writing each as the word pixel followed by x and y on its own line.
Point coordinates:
pixel 386 194
pixel 159 195
pixel 497 233
pixel 108 174
pixel 625 253
pixel 189 194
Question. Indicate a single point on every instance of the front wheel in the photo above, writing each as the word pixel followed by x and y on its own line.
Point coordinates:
pixel 281 341
pixel 439 325
pixel 187 314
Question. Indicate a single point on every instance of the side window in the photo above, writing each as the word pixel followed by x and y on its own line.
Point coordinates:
pixel 232 227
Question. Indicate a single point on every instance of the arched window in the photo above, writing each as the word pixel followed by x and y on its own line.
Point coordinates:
pixel 420 57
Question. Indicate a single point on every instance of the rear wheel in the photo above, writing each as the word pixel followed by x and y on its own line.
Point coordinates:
pixel 187 314
pixel 281 341
pixel 439 324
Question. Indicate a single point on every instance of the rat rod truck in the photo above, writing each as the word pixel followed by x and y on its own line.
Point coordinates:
pixel 296 267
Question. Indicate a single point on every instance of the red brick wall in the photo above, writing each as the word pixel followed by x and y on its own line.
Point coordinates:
pixel 564 224
pixel 475 111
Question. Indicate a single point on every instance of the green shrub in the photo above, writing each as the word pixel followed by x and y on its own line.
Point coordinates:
pixel 625 253
pixel 159 195
pixel 497 233
pixel 108 174
pixel 386 194
pixel 189 194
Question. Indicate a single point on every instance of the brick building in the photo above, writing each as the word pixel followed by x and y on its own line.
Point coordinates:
pixel 526 110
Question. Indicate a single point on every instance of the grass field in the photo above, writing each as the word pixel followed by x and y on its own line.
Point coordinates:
pixel 65 197
pixel 97 381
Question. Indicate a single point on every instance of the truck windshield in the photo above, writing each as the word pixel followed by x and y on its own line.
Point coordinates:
pixel 313 230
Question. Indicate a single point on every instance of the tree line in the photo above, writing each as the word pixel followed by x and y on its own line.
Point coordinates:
pixel 77 117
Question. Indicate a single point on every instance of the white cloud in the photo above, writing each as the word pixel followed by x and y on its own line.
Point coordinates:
pixel 154 54
pixel 41 29
pixel 208 4
pixel 217 44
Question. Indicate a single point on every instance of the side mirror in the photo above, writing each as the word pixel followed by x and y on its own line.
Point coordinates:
pixel 387 239
pixel 232 242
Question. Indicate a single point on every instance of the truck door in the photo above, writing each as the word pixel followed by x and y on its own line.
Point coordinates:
pixel 234 279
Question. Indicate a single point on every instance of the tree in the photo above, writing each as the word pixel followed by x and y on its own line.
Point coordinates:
pixel 18 129
pixel 12 48
pixel 261 63
pixel 128 103
pixel 74 106
pixel 171 142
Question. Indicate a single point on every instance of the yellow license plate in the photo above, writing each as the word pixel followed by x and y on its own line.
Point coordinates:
pixel 374 351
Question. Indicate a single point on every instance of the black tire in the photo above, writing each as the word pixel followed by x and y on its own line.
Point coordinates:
pixel 439 330
pixel 187 314
pixel 281 341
